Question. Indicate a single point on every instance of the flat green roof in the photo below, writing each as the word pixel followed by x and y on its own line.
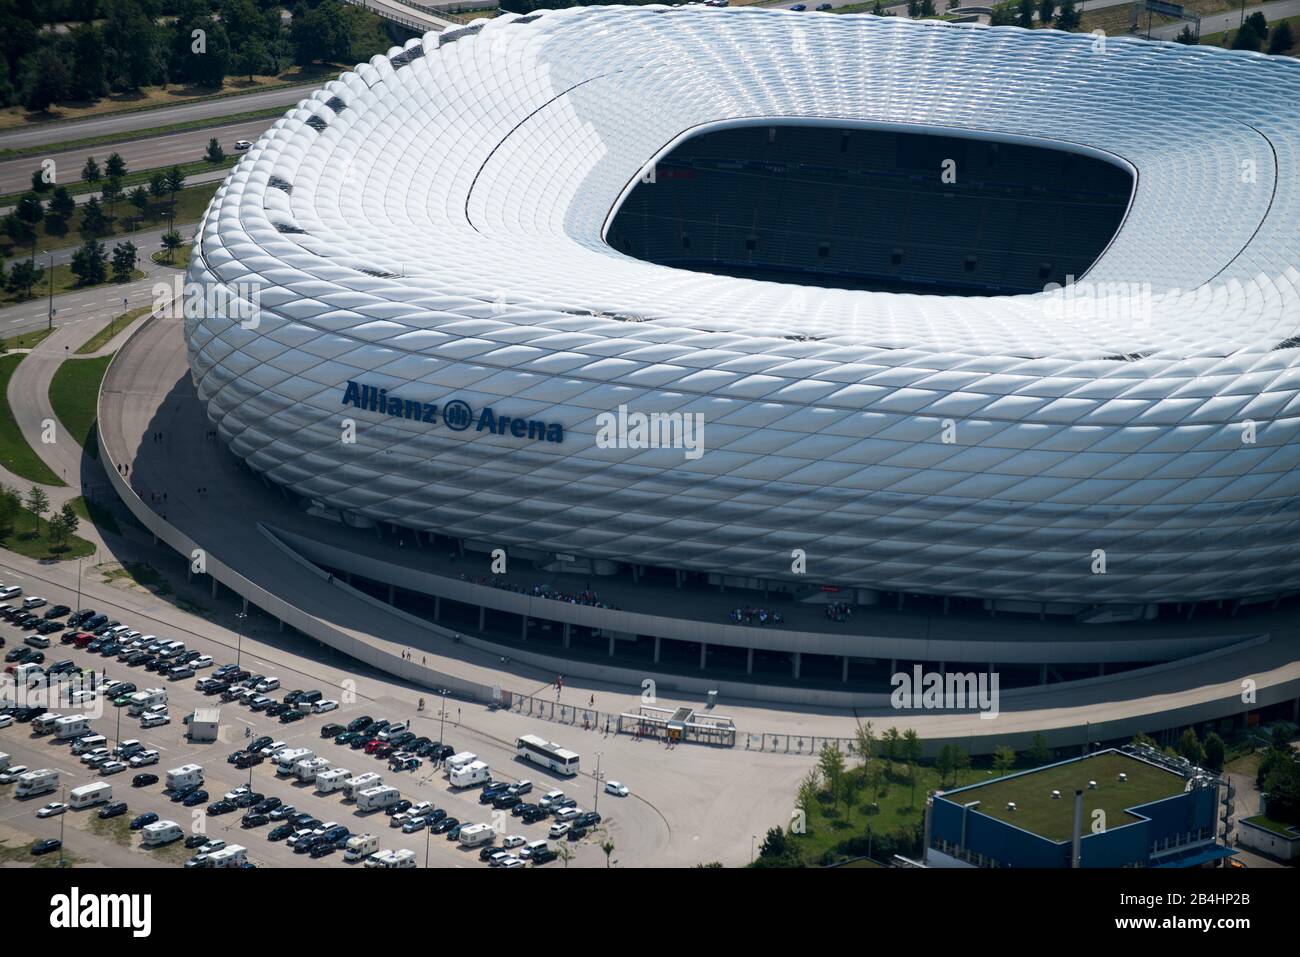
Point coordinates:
pixel 1277 827
pixel 1037 812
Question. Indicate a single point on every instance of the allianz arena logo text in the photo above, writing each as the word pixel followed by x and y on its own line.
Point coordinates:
pixel 457 415
pixel 1126 302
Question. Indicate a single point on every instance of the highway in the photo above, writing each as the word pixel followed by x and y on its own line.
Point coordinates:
pixel 1231 19
pixel 160 151
pixel 128 123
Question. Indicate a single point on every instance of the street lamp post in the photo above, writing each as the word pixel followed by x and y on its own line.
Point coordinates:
pixel 239 641
pixel 442 717
pixel 595 802
pixel 426 848
pixel 50 318
pixel 79 582
pixel 61 817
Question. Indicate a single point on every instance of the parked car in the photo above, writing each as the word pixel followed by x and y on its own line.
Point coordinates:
pixel 144 780
pixel 47 846
pixel 195 798
pixel 116 809
pixel 140 820
pixel 220 807
pixel 51 809
pixel 614 787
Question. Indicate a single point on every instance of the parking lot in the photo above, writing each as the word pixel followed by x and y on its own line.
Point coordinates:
pixel 622 818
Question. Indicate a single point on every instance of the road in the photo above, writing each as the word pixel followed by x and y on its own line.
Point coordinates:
pixel 127 123
pixel 1230 20
pixel 159 151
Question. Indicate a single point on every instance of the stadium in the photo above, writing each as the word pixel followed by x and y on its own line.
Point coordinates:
pixel 969 320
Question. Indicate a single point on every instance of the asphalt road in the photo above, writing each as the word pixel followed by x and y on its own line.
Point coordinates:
pixel 1230 20
pixel 160 151
pixel 127 123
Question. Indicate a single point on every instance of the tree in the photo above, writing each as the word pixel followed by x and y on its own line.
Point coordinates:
pixel 1004 759
pixel 90 263
pixel 1282 785
pixel 140 200
pixel 774 843
pixel 111 193
pixel 172 241
pixel 10 505
pixel 61 205
pixel 1215 752
pixel 807 793
pixel 831 764
pixel 927 8
pixel 70 518
pixel 175 181
pixel 44 80
pixel 91 172
pixel 1186 37
pixel 39 183
pixel 913 9
pixel 1259 23
pixel 124 259
pixel 1025 14
pixel 912 750
pixel 1069 18
pixel 132 45
pixel 58 528
pixel 321 35
pixel 23 277
pixel 214 152
pixel 17 230
pixel 31 212
pixel 1282 39
pixel 1189 746
pixel 93 220
pixel 252 57
pixel 864 742
pixel 115 166
pixel 1046 11
pixel 1002 16
pixel 1039 752
pixel 158 185
pixel 1247 39
pixel 89 70
pixel 38 503
pixel 607 846
pixel 946 762
pixel 891 743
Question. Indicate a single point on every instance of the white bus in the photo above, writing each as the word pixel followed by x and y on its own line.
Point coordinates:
pixel 547 754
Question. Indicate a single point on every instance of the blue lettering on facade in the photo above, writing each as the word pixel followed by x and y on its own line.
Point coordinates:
pixel 457 414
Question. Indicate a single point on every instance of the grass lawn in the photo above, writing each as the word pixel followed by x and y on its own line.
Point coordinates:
pixel 105 335
pixel 180 260
pixel 32 538
pixel 1277 827
pixel 64 281
pixel 96 514
pixel 25 340
pixel 129 182
pixel 1037 811
pixel 898 808
pixel 74 393
pixel 23 855
pixel 123 220
pixel 16 454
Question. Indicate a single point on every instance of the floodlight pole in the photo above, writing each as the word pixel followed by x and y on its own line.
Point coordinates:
pixel 50 317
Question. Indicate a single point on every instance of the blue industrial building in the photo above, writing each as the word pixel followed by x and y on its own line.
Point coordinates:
pixel 1036 818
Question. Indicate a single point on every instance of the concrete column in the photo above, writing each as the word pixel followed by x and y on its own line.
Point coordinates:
pixel 844 670
pixel 347 577
pixel 189 573
pixel 568 634
pixel 1295 711
pixel 611 646
pixel 482 617
pixel 1042 674
pixel 677 573
pixel 245 608
pixel 893 666
pixel 657 639
pixel 798 660
pixel 523 628
pixel 704 651
pixel 280 621
pixel 749 661
pixel 379 531
pixel 392 595
pixel 437 607
pixel 214 587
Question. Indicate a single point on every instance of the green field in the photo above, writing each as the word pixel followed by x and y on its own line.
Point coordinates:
pixel 96 515
pixel 16 454
pixel 1277 827
pixel 114 326
pixel 32 538
pixel 25 340
pixel 74 393
pixel 180 259
pixel 1037 811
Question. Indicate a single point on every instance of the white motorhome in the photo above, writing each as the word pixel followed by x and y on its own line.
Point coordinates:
pixel 363 845
pixel 4 760
pixel 287 760
pixel 472 835
pixel 71 726
pixel 161 832
pixel 476 772
pixel 89 795
pixel 335 779
pixel 308 769
pixel 377 798
pixel 459 761
pixel 232 855
pixel 184 776
pixel 44 723
pixel 40 781
pixel 403 858
pixel 355 786
pixel 142 701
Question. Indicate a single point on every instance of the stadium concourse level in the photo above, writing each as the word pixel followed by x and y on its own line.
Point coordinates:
pixel 873 209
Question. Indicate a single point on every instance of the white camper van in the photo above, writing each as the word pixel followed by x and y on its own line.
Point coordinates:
pixel 184 776
pixel 378 798
pixel 473 835
pixel 232 855
pixel 40 781
pixel 476 772
pixel 161 832
pixel 458 761
pixel 88 795
pixel 287 760
pixel 355 786
pixel 335 779
pixel 142 701
pixel 361 846
pixel 307 770
pixel 71 726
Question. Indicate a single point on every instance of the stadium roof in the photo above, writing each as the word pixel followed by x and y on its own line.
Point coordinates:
pixel 436 218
